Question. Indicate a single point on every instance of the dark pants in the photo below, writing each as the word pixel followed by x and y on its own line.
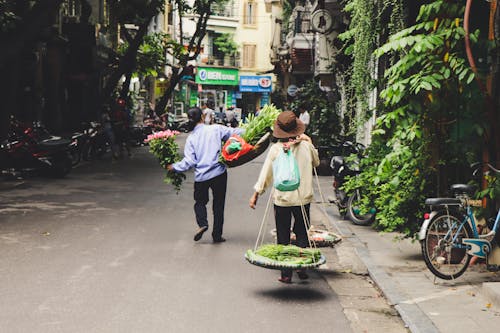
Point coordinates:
pixel 283 218
pixel 218 185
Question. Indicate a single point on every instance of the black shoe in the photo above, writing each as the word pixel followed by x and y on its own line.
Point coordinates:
pixel 302 275
pixel 219 240
pixel 199 233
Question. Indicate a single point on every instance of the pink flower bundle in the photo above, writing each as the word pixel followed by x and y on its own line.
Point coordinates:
pixel 163 146
pixel 161 135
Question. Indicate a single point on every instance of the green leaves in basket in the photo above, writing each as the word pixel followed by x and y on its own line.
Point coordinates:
pixel 256 127
pixel 289 253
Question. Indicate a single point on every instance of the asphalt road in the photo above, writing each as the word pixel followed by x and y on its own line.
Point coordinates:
pixel 110 249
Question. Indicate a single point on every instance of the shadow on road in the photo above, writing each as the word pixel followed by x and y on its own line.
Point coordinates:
pixel 294 293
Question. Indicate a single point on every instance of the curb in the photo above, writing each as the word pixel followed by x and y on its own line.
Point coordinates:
pixel 416 320
pixel 5 186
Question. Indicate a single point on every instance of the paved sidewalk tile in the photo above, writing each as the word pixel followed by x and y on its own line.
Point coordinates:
pixel 468 304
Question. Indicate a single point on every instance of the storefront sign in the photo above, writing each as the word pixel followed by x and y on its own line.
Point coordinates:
pixel 255 83
pixel 217 76
pixel 292 90
pixel 264 99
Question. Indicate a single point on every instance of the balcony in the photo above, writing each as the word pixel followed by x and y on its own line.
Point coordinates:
pixel 302 53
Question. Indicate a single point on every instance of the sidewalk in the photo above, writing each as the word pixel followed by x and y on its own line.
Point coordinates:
pixel 468 304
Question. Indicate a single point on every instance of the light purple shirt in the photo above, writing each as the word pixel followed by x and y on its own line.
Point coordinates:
pixel 202 151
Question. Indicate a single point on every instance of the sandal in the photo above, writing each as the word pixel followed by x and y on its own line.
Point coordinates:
pixel 285 279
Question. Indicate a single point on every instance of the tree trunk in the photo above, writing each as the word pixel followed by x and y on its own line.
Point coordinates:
pixel 127 62
pixel 174 80
pixel 193 50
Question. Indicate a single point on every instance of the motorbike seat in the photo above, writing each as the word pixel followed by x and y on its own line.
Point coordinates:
pixel 336 161
pixel 463 189
pixel 442 201
pixel 54 143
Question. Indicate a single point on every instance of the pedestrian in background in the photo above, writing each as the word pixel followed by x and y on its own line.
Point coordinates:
pixel 257 111
pixel 231 117
pixel 120 121
pixel 201 152
pixel 290 134
pixel 208 114
pixel 107 128
pixel 304 116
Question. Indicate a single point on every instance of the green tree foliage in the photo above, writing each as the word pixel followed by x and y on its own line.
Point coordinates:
pixel 151 55
pixel 8 17
pixel 139 13
pixel 226 44
pixel 425 134
pixel 188 48
pixel 324 127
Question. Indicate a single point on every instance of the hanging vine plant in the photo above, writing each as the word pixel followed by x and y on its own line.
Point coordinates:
pixel 370 23
pixel 427 90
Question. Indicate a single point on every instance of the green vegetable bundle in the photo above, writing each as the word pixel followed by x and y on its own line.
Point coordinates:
pixel 289 253
pixel 257 126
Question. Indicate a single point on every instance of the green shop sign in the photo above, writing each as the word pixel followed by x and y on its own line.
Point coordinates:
pixel 217 76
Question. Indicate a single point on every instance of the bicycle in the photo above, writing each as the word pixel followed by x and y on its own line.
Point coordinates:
pixel 449 236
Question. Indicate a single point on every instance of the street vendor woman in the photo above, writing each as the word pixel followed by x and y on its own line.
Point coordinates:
pixel 201 152
pixel 289 130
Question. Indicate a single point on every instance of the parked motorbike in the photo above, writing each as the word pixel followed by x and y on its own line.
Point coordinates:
pixel 31 149
pixel 344 165
pixel 96 144
pixel 77 141
pixel 138 134
pixel 180 124
pixel 76 146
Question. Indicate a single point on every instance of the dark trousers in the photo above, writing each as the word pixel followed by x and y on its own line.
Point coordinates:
pixel 218 185
pixel 283 218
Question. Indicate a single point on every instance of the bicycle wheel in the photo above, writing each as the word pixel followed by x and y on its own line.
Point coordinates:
pixel 442 248
pixel 355 211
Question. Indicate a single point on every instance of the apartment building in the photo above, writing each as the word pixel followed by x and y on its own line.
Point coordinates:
pixel 233 68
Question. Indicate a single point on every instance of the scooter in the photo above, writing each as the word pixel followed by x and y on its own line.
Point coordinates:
pixel 343 166
pixel 96 144
pixel 180 124
pixel 34 150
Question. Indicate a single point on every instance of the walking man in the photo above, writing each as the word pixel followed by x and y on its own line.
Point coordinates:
pixel 304 116
pixel 201 152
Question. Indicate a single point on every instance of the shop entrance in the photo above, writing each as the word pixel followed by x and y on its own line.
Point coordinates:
pixel 215 99
pixel 247 103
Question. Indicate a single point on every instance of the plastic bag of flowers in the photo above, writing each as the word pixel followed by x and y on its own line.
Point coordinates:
pixel 256 135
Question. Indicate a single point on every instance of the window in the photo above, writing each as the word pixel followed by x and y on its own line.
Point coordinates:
pixel 250 14
pixel 249 55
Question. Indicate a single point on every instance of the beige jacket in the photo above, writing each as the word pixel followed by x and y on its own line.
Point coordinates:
pixel 307 158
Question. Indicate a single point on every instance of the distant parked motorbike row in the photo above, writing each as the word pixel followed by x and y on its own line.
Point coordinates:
pixel 31 149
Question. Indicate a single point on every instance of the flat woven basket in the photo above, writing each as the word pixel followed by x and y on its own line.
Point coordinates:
pixel 258 149
pixel 265 262
pixel 321 238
